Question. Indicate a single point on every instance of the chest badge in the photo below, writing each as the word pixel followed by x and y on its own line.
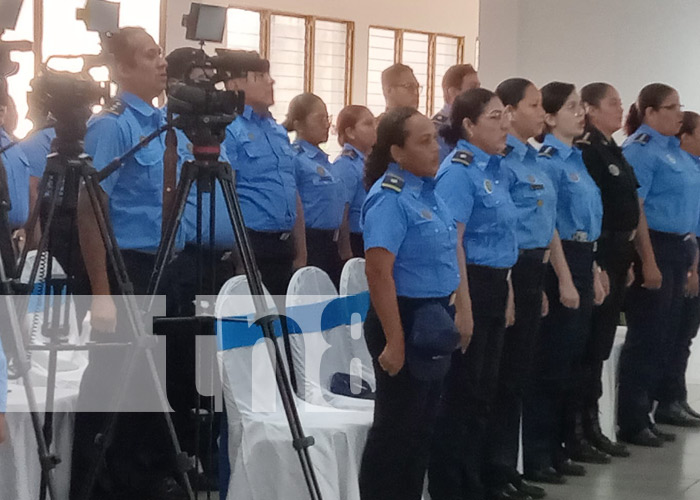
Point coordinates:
pixel 614 170
pixel 671 159
pixel 190 147
pixel 251 136
pixel 540 203
pixel 488 186
pixel 426 214
pixel 574 177
pixel 531 179
pixel 321 171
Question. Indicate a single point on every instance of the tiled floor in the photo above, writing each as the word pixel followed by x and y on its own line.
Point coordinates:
pixel 670 473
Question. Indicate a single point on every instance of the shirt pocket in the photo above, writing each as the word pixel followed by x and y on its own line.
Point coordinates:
pixel 148 171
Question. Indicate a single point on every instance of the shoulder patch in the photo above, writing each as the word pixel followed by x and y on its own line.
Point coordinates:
pixel 547 151
pixel 584 140
pixel 506 151
pixel 393 182
pixel 350 153
pixel 463 157
pixel 642 139
pixel 440 118
pixel 116 108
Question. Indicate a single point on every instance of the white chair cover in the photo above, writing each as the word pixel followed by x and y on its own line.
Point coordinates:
pixel 264 464
pixel 317 354
pixel 353 281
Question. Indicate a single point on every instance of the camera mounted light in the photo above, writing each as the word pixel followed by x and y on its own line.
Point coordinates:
pixel 205 23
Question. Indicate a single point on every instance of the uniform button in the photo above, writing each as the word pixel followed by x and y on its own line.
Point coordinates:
pixel 497 182
pixel 435 207
pixel 437 230
pixel 498 203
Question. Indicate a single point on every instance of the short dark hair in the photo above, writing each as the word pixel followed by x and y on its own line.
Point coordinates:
pixel 121 45
pixel 391 131
pixel 512 91
pixel 470 104
pixel 650 96
pixel 554 96
pixel 392 73
pixel 691 120
pixel 454 76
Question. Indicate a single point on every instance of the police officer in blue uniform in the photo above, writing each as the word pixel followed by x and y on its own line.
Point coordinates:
pixel 621 218
pixel 259 151
pixel 357 134
pixel 140 461
pixel 474 185
pixel 669 183
pixel 412 272
pixel 16 168
pixel 322 192
pixel 457 79
pixel 535 199
pixel 678 409
pixel 547 420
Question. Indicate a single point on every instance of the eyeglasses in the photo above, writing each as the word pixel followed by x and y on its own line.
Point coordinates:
pixel 673 107
pixel 411 87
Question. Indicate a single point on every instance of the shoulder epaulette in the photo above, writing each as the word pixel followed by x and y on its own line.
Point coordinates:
pixel 350 153
pixel 393 181
pixel 584 140
pixel 506 151
pixel 547 151
pixel 116 108
pixel 440 118
pixel 463 157
pixel 297 148
pixel 642 139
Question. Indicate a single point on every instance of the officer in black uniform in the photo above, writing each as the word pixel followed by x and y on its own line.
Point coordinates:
pixel 618 187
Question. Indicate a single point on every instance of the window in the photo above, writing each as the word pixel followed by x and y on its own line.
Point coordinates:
pixel 428 54
pixel 62 34
pixel 306 54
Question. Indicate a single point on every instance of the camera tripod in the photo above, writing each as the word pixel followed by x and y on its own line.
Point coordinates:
pixel 208 172
pixel 66 170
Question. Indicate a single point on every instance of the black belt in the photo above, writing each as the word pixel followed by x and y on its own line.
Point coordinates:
pixel 618 236
pixel 494 273
pixel 668 237
pixel 270 235
pixel 331 234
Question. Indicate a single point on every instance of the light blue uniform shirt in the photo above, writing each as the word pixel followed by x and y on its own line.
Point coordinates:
pixel 579 206
pixel 669 180
pixel 17 168
pixel 322 193
pixel 404 214
pixel 259 151
pixel 3 380
pixel 475 187
pixel 533 194
pixel 136 189
pixel 36 147
pixel 349 167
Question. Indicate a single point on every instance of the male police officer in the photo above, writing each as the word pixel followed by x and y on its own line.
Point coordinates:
pixel 400 87
pixel 139 462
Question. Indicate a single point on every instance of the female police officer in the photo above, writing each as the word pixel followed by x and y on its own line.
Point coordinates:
pixel 357 133
pixel 411 251
pixel 475 187
pixel 534 196
pixel 322 194
pixel 670 182
pixel 621 217
pixel 565 329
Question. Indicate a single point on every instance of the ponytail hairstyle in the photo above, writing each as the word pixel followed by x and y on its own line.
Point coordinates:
pixel 512 91
pixel 592 94
pixel 348 118
pixel 390 132
pixel 299 109
pixel 691 120
pixel 554 96
pixel 650 96
pixel 470 104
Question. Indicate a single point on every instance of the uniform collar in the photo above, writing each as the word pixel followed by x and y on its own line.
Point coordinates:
pixel 519 148
pixel 250 114
pixel 411 181
pixel 564 150
pixel 664 140
pixel 138 104
pixel 481 159
pixel 310 150
pixel 595 136
pixel 349 147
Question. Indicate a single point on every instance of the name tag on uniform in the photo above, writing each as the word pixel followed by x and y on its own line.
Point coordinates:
pixel 536 186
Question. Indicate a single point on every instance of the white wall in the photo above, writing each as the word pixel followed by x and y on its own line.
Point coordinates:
pixel 455 17
pixel 627 43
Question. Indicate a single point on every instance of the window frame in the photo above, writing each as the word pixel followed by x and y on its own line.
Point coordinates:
pixel 432 54
pixel 309 44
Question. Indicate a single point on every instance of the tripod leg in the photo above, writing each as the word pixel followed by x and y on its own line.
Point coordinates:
pixel 300 440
